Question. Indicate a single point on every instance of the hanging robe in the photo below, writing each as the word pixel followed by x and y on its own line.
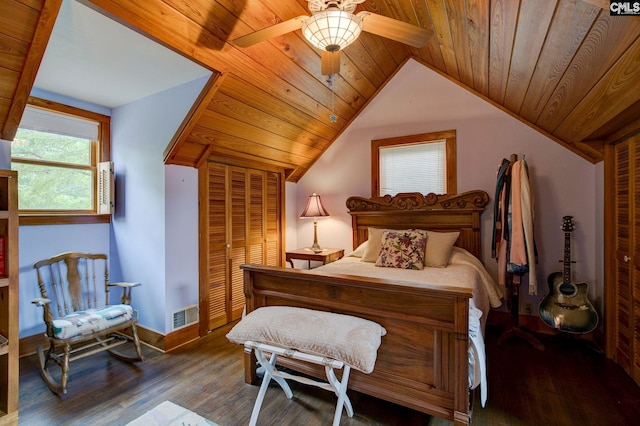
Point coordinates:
pixel 500 225
pixel 517 261
pixel 513 243
pixel 497 207
pixel 526 201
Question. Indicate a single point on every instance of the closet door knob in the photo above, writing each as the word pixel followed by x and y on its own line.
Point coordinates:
pixel 626 258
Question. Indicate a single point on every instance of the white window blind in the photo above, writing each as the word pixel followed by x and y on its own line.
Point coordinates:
pixel 417 167
pixel 60 124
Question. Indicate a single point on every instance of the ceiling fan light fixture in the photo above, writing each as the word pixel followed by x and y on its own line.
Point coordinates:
pixel 332 30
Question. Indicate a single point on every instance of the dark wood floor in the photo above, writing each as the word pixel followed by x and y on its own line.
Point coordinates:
pixel 566 384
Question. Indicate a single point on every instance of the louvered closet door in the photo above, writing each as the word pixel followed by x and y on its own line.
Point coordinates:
pixel 238 253
pixel 627 269
pixel 244 209
pixel 634 260
pixel 272 224
pixel 264 193
pixel 217 259
pixel 256 217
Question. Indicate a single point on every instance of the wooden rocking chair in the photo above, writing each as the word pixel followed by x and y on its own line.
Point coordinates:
pixel 79 319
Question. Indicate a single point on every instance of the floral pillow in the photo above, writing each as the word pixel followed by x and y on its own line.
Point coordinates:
pixel 403 249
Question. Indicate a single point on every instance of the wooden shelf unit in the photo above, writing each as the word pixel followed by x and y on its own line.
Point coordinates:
pixel 9 342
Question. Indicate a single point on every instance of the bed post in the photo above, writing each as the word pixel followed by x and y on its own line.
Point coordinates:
pixel 250 360
pixel 461 403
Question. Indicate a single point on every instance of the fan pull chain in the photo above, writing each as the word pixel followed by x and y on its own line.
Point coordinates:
pixel 332 117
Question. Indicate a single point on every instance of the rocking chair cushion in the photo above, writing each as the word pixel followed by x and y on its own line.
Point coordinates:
pixel 91 320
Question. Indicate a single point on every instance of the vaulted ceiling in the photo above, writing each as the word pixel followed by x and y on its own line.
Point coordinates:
pixel 566 68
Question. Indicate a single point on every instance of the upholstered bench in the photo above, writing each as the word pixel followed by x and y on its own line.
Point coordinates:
pixel 318 337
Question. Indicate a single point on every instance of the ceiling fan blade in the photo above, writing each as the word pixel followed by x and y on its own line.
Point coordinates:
pixel 330 63
pixel 393 29
pixel 270 32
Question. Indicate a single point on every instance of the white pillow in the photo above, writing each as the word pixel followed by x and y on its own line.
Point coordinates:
pixel 359 251
pixel 439 246
pixel 372 251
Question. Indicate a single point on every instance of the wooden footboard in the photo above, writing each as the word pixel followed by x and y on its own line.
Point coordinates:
pixel 422 362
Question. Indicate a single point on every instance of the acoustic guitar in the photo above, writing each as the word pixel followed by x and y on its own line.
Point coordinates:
pixel 567 307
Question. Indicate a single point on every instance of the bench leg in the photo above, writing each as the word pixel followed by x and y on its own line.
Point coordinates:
pixel 341 392
pixel 338 387
pixel 268 376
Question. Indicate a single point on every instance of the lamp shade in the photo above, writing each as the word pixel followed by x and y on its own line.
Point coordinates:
pixel 332 29
pixel 314 207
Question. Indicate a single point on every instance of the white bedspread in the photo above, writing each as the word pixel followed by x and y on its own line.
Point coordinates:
pixel 464 271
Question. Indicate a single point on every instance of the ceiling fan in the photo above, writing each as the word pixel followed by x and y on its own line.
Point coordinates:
pixel 333 26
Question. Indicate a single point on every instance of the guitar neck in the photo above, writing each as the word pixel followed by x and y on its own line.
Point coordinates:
pixel 566 271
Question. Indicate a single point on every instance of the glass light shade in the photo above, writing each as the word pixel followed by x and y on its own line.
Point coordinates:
pixel 332 30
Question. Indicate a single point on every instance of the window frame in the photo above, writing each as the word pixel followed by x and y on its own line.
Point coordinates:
pixel 100 151
pixel 449 136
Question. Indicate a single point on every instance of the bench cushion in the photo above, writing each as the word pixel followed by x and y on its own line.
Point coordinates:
pixel 90 321
pixel 345 338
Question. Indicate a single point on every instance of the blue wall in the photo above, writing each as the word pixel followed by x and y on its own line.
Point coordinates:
pixel 153 237
pixel 5 154
pixel 181 248
pixel 140 133
pixel 41 242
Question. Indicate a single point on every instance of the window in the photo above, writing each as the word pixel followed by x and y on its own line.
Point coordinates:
pixel 422 163
pixel 56 152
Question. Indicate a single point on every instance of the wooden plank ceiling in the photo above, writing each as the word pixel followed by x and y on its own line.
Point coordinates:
pixel 564 67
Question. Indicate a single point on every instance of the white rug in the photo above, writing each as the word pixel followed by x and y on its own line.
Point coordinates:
pixel 170 414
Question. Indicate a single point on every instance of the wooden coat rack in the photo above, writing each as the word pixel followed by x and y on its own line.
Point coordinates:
pixel 512 284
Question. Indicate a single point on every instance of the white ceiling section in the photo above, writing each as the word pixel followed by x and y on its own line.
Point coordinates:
pixel 94 59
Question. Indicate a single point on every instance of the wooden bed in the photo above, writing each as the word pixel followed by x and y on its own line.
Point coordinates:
pixel 423 360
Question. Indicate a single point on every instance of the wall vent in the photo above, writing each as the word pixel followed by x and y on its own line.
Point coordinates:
pixel 185 316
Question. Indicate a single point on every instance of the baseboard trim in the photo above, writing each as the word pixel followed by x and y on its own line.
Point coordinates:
pixel 29 345
pixel 161 342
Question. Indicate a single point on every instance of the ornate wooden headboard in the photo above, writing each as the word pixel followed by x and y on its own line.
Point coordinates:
pixel 444 213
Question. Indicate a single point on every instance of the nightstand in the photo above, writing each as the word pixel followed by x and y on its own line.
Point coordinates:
pixel 325 256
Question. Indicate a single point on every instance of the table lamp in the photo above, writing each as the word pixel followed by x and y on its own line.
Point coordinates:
pixel 314 210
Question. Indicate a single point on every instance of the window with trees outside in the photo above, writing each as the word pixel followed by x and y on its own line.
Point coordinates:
pixel 424 163
pixel 56 152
